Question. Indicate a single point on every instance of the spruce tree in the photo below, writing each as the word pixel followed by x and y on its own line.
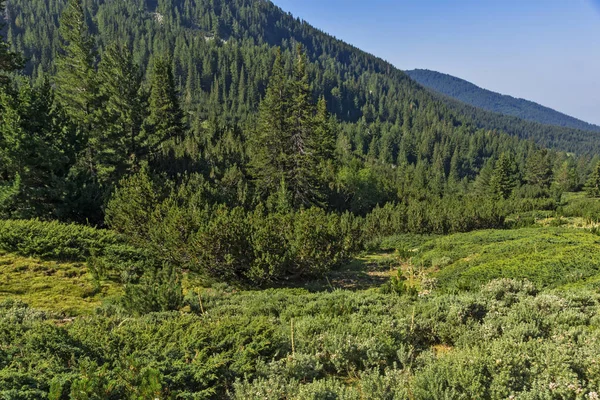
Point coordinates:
pixel 566 178
pixel 455 163
pixel 78 95
pixel 123 107
pixel 592 186
pixel 76 81
pixel 323 144
pixel 324 136
pixel 539 169
pixel 269 145
pixel 165 117
pixel 36 150
pixel 502 181
pixel 302 156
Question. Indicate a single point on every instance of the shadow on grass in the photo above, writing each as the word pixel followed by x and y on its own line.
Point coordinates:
pixel 362 273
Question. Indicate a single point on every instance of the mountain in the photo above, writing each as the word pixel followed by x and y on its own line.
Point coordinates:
pixel 222 53
pixel 469 93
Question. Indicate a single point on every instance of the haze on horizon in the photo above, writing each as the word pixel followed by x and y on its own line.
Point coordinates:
pixel 546 51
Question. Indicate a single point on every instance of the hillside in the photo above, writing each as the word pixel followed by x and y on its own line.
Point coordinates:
pixel 469 93
pixel 226 72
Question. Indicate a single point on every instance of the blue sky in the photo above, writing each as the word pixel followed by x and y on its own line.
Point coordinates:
pixel 547 51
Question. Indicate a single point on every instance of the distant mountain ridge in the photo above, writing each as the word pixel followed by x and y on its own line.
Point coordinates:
pixel 474 95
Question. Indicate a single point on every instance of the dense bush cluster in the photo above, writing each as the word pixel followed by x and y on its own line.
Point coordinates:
pixel 435 216
pixel 586 208
pixel 507 340
pixel 54 239
pixel 231 244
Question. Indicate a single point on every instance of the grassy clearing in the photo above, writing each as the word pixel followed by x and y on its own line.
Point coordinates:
pixel 548 256
pixel 60 287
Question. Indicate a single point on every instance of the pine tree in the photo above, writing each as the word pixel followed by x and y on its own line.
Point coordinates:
pixel 502 181
pixel 78 95
pixel 324 144
pixel 76 81
pixel 324 136
pixel 165 118
pixel 303 163
pixel 539 169
pixel 566 178
pixel 36 150
pixel 455 164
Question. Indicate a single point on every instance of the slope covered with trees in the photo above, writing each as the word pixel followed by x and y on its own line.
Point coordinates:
pixel 197 95
pixel 222 55
pixel 469 93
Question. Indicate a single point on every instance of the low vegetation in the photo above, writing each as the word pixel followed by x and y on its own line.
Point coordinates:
pixel 288 343
pixel 453 322
pixel 548 257
pixel 65 288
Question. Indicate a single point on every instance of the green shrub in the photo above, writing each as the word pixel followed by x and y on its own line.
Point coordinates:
pixel 503 340
pixel 316 242
pixel 54 240
pixel 254 248
pixel 583 207
pixel 222 247
pixel 157 290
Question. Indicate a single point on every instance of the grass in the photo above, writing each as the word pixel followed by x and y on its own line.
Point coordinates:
pixel 547 256
pixel 61 287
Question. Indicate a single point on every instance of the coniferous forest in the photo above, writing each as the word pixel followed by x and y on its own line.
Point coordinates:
pixel 205 199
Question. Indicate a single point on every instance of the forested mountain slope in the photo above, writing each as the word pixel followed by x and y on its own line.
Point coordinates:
pixel 222 56
pixel 469 93
pixel 229 103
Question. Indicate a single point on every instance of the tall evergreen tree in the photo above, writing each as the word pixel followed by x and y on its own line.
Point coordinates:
pixel 325 136
pixel 502 181
pixel 324 144
pixel 539 169
pixel 78 94
pixel 124 107
pixel 302 150
pixel 565 177
pixel 592 186
pixel 165 117
pixel 36 152
pixel 270 144
pixel 76 82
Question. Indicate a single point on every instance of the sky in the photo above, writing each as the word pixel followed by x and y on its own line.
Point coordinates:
pixel 547 51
